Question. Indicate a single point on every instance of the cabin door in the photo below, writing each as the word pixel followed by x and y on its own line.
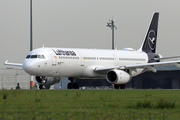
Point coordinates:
pixel 115 60
pixel 82 59
pixel 54 64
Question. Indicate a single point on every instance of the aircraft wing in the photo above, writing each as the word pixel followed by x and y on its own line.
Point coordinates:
pixel 149 66
pixel 13 64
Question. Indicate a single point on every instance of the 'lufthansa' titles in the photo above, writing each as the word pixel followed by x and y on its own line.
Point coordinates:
pixel 61 52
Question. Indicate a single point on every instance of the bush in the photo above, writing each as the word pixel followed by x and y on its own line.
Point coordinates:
pixel 165 104
pixel 148 104
pixel 144 104
pixel 5 96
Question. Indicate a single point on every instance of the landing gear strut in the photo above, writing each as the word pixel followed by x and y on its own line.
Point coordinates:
pixel 72 84
pixel 121 86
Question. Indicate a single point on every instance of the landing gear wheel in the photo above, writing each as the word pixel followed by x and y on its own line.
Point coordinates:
pixel 116 86
pixel 122 86
pixel 70 85
pixel 75 85
pixel 47 87
pixel 40 86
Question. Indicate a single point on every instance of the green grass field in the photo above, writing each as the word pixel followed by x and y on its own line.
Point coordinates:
pixel 90 101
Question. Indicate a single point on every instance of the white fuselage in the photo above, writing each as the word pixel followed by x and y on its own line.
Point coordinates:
pixel 71 62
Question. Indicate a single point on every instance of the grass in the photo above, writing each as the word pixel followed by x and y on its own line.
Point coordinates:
pixel 90 101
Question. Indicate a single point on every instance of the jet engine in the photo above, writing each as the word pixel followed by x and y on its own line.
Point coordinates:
pixel 118 77
pixel 46 82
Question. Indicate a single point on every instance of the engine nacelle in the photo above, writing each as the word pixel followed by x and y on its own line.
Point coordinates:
pixel 118 77
pixel 47 81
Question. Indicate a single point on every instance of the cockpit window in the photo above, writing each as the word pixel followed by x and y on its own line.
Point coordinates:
pixel 39 56
pixel 28 56
pixel 35 56
pixel 43 57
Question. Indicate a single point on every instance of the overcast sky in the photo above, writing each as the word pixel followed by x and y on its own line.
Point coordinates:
pixel 82 24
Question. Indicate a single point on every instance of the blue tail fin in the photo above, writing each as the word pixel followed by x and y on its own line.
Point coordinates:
pixel 149 44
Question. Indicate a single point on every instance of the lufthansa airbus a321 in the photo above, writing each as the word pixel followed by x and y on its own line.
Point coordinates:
pixel 117 66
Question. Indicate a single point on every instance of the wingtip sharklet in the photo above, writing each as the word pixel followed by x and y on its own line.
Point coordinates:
pixel 13 64
pixel 6 62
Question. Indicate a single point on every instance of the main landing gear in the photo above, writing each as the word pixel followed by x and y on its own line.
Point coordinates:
pixel 44 87
pixel 72 84
pixel 121 86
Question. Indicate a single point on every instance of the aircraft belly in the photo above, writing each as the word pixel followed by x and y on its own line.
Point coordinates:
pixel 89 72
pixel 70 71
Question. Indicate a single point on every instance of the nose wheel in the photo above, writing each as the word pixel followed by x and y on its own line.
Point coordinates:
pixel 72 84
pixel 41 87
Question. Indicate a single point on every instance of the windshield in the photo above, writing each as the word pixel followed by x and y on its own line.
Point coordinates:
pixel 28 56
pixel 35 56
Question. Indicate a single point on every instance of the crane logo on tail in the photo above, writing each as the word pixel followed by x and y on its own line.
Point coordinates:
pixel 151 39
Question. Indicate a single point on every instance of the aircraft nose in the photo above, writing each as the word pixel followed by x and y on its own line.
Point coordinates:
pixel 28 67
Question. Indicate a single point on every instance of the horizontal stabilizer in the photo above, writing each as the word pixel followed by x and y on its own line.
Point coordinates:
pixel 164 58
